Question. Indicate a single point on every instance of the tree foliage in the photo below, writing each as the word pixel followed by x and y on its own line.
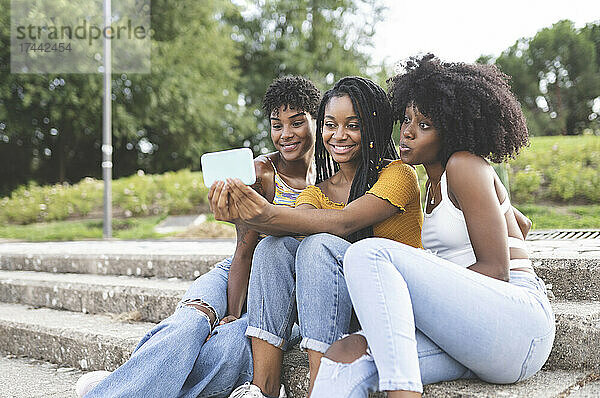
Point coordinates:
pixel 51 124
pixel 211 62
pixel 556 75
pixel 323 40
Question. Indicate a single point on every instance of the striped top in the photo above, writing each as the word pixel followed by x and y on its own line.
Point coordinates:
pixel 284 195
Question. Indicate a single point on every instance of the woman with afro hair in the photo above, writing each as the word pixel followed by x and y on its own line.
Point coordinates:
pixel 470 305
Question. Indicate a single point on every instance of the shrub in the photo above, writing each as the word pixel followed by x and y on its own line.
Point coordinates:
pixel 169 193
pixel 559 169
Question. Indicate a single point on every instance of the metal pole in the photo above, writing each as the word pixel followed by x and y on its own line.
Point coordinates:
pixel 107 148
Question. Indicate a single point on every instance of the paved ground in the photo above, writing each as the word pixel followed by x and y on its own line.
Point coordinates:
pixel 24 377
pixel 585 248
pixel 117 247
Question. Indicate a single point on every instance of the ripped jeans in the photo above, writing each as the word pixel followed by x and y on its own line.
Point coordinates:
pixel 175 360
pixel 299 281
pixel 428 320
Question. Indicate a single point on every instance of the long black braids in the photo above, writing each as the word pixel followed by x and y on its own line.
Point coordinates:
pixel 374 111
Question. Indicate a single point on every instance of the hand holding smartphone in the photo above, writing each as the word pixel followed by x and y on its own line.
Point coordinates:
pixel 233 163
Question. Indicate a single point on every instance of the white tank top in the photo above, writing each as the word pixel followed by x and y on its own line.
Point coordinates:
pixel 445 232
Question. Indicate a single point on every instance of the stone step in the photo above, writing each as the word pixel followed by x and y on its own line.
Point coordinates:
pixel 104 342
pixel 577 341
pixel 164 259
pixel 100 342
pixel 572 277
pixel 67 338
pixel 572 267
pixel 26 377
pixel 142 299
pixel 545 384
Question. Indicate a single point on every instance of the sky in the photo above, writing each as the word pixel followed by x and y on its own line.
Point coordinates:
pixel 462 30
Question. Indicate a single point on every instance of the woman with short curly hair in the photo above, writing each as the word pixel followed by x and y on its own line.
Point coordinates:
pixel 471 305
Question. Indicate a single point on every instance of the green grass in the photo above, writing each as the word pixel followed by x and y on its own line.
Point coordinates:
pixel 131 228
pixel 563 217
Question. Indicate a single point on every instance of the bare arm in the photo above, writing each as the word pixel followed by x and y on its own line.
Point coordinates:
pixel 471 181
pixel 524 222
pixel 278 220
pixel 239 273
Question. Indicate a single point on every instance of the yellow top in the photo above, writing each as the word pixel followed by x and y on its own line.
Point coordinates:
pixel 398 185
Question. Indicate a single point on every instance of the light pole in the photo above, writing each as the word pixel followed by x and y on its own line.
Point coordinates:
pixel 107 148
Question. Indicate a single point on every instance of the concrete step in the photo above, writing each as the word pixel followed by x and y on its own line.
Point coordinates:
pixel 141 299
pixel 571 266
pixel 103 342
pixel 71 339
pixel 30 378
pixel 577 341
pixel 99 342
pixel 25 377
pixel 164 259
pixel 570 278
pixel 577 344
pixel 545 384
pixel 573 274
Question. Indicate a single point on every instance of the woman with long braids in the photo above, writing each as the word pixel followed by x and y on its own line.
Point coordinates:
pixel 361 191
pixel 470 306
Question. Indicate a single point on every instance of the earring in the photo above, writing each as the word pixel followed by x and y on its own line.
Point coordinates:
pixel 371 145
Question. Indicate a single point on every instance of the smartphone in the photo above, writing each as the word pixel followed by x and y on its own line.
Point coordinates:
pixel 233 163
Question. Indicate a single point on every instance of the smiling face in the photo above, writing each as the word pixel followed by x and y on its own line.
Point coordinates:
pixel 420 142
pixel 292 132
pixel 341 130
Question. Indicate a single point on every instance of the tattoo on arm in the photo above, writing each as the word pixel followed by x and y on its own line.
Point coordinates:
pixel 242 234
pixel 257 186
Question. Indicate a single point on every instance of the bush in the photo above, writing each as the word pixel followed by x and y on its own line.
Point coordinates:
pixel 169 193
pixel 559 169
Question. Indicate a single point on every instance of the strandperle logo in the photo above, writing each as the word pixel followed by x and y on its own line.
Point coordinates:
pixel 58 36
pixel 83 31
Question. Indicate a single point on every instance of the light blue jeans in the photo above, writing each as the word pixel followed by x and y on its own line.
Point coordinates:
pixel 299 281
pixel 428 320
pixel 173 359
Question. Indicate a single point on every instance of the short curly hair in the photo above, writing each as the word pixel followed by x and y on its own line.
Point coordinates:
pixel 471 106
pixel 295 92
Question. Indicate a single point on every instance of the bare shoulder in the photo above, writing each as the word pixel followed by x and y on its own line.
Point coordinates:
pixel 264 176
pixel 263 167
pixel 465 169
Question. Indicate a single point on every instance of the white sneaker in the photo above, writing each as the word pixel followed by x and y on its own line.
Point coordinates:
pixel 282 393
pixel 248 390
pixel 89 381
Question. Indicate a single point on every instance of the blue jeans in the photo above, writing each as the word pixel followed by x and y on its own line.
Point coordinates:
pixel 299 281
pixel 173 359
pixel 428 320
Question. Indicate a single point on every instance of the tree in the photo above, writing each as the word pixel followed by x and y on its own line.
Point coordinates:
pixel 211 63
pixel 323 40
pixel 555 75
pixel 50 125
